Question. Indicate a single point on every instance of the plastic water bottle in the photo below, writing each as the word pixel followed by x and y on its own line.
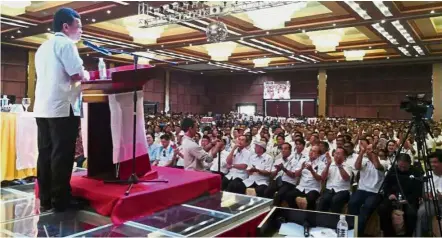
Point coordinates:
pixel 102 68
pixel 342 227
pixel 4 102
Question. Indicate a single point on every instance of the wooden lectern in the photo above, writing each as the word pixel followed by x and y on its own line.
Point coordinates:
pixel 99 138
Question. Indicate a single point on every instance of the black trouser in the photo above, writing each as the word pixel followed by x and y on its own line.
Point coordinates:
pixel 273 187
pixel 259 189
pixel 236 186
pixel 56 152
pixel 385 210
pixel 283 193
pixel 311 197
pixel 333 201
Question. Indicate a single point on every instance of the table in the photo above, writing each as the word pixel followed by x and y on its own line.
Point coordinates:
pixel 8 148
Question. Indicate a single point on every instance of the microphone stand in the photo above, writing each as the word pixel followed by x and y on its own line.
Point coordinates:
pixel 133 179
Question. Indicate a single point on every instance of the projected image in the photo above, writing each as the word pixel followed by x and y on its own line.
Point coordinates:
pixel 277 90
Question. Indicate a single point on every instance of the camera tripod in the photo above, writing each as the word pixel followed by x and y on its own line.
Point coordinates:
pixel 421 129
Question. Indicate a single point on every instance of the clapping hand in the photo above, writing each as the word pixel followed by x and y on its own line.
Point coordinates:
pixel 328 157
pixel 309 167
pixel 278 167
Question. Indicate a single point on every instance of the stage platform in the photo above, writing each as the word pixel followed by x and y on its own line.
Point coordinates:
pixel 145 198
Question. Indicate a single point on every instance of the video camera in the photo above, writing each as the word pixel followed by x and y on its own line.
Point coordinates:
pixel 418 106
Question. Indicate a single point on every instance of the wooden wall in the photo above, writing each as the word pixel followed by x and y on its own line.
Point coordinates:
pixel 225 91
pixel 375 91
pixel 188 92
pixel 14 68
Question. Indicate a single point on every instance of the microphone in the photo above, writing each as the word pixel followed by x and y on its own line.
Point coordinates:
pixel 96 48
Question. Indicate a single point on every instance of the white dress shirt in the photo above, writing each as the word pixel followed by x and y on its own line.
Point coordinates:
pixel 56 61
pixel 307 182
pixel 294 161
pixel 370 178
pixel 437 184
pixel 335 181
pixel 223 168
pixel 194 155
pixel 180 160
pixel 286 163
pixel 240 157
pixel 263 162
pixel 164 155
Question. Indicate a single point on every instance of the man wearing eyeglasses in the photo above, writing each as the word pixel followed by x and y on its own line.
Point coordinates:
pixel 165 152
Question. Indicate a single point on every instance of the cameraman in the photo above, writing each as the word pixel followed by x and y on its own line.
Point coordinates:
pixel 392 196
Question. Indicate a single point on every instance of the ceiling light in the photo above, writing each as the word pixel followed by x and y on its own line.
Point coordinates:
pixel 14 8
pixel 260 47
pixel 384 33
pixel 337 61
pixel 353 55
pixel 49 29
pixel 93 19
pixel 12 37
pixel 220 51
pixel 201 72
pixel 432 12
pixel 108 11
pixel 403 31
pixel 369 47
pixel 334 24
pixel 419 50
pixel 383 21
pixel 404 51
pixel 18 31
pixel 87 54
pixel 275 17
pixel 326 41
pixel 271 46
pixel 142 35
pixel 388 57
pixel 262 62
pixel 303 30
pixel 382 8
pixel 362 13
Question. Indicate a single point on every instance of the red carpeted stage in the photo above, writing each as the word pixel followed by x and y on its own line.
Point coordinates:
pixel 145 198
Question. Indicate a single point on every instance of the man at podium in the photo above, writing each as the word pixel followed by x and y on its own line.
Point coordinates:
pixel 57 109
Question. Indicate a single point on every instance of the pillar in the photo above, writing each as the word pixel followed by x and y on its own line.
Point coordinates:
pixel 31 80
pixel 322 92
pixel 167 91
pixel 437 91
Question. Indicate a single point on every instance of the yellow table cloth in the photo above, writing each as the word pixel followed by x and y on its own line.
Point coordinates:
pixel 8 171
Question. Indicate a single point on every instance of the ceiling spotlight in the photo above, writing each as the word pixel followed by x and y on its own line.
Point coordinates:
pixel 277 66
pixel 87 54
pixel 162 46
pixel 93 19
pixel 334 24
pixel 187 62
pixel 407 45
pixel 248 58
pixel 369 47
pixel 383 21
pixel 231 71
pixel 18 31
pixel 303 30
pixel 201 72
pixel 267 32
pixel 49 29
pixel 12 37
pixel 293 64
pixel 190 44
pixel 432 12
pixel 337 60
pixel 388 57
pixel 108 11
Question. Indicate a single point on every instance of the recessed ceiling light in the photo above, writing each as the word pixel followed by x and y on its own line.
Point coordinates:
pixel 293 64
pixel 407 45
pixel 334 24
pixel 241 38
pixel 303 30
pixel 87 54
pixel 231 71
pixel 369 47
pixel 383 21
pixel 190 44
pixel 162 46
pixel 248 58
pixel 388 57
pixel 201 72
pixel 316 51
pixel 93 19
pixel 187 62
pixel 267 32
pixel 432 11
pixel 108 11
pixel 265 56
pixel 12 37
pixel 49 29
pixel 337 60
pixel 277 66
pixel 18 31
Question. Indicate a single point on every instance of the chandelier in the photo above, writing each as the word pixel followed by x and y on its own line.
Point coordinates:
pixel 326 41
pixel 274 17
pixel 14 8
pixel 353 55
pixel 220 51
pixel 261 62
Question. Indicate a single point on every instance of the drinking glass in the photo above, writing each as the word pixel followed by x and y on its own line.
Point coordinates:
pixel 26 102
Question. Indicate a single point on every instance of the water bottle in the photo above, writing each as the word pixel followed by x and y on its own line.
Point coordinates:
pixel 102 69
pixel 4 102
pixel 342 227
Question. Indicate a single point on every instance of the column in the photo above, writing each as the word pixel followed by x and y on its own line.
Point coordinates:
pixel 322 92
pixel 437 91
pixel 167 91
pixel 30 81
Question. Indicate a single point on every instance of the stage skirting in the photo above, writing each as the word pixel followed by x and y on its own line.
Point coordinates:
pixel 145 198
